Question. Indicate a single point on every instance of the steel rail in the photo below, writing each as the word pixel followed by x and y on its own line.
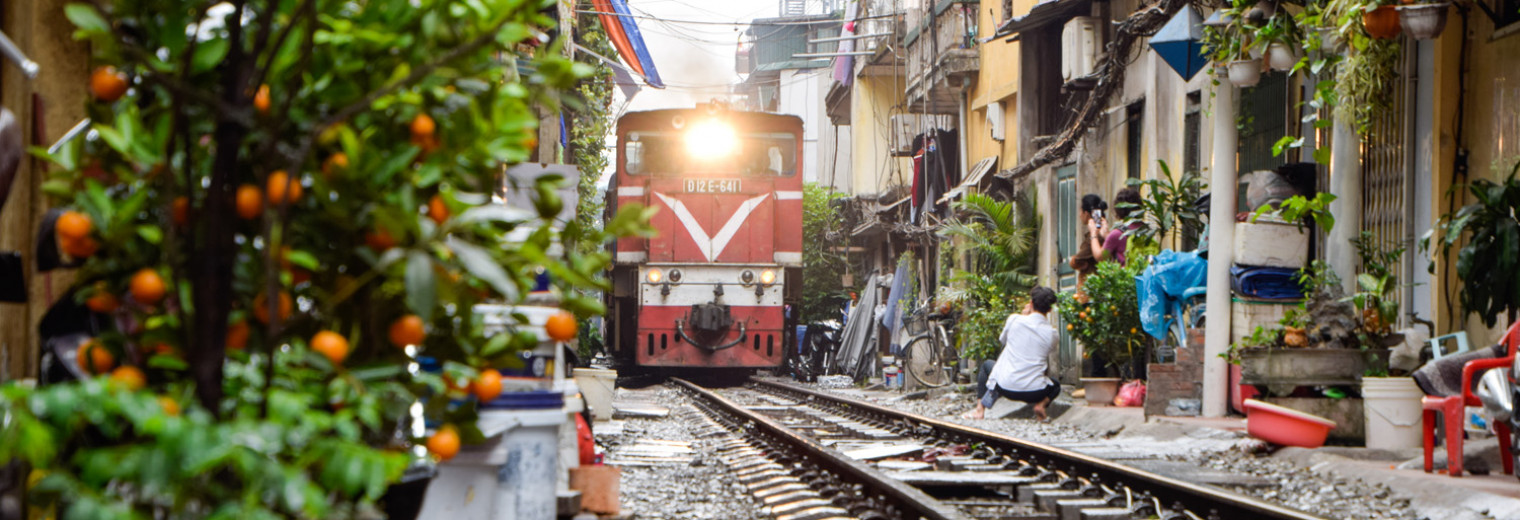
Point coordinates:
pixel 1193 497
pixel 907 498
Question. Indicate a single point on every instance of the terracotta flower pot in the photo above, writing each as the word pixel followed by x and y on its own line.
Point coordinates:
pixel 1423 21
pixel 1382 23
pixel 1245 73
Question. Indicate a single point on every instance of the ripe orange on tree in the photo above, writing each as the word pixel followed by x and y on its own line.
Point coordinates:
pixel 487 386
pixel 330 345
pixel 261 307
pixel 379 240
pixel 73 224
pixel 561 326
pixel 437 210
pixel 147 287
pixel 179 211
pixel 83 247
pixel 250 203
pixel 422 128
pixel 445 443
pixel 102 301
pixel 129 377
pixel 407 330
pixel 94 358
pixel 107 84
pixel 282 185
pixel 261 99
pixel 335 163
pixel 170 406
pixel 237 335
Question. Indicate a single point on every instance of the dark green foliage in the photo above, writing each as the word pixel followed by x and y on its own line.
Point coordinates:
pixel 823 289
pixel 1488 260
pixel 1109 323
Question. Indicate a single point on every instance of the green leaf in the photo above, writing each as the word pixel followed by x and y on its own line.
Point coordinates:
pixel 208 54
pixel 151 233
pixel 479 263
pixel 58 188
pixel 302 259
pixel 421 287
pixel 496 345
pixel 86 18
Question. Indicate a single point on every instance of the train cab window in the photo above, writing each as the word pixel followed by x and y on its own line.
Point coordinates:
pixel 671 153
pixel 633 153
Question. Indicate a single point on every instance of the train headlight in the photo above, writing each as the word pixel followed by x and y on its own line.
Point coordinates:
pixel 767 277
pixel 711 139
pixel 654 276
pixel 747 277
pixel 674 276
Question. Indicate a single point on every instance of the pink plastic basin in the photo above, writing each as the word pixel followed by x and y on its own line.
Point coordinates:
pixel 1285 426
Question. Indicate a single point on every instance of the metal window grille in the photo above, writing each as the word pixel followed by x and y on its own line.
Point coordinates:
pixel 1386 174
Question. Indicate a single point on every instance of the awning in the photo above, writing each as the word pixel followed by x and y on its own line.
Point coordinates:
pixel 1046 11
pixel 977 172
pixel 626 38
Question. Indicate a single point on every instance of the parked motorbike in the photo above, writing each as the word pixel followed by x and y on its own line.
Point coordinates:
pixel 816 352
pixel 1498 392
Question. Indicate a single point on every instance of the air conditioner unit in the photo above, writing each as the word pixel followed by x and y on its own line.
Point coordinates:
pixel 1079 47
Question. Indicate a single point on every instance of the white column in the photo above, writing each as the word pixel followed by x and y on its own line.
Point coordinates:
pixel 1346 185
pixel 1222 187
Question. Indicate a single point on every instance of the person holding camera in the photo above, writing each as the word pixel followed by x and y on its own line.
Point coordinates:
pixel 1095 229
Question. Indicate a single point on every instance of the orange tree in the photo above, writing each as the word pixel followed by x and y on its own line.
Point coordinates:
pixel 281 205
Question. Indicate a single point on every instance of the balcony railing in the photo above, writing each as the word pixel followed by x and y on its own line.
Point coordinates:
pixel 941 52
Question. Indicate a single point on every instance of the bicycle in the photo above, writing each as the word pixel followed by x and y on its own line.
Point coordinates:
pixel 930 358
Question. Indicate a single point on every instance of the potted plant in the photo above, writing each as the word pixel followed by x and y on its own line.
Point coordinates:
pixel 1381 20
pixel 1424 20
pixel 1228 45
pixel 1108 326
pixel 1375 286
pixel 1280 37
pixel 1482 233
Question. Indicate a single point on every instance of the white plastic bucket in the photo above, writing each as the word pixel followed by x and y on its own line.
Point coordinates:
pixel 597 386
pixel 1391 406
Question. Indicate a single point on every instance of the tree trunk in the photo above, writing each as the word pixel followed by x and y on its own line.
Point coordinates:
pixel 211 275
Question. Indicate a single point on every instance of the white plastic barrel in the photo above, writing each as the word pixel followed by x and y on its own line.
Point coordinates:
pixel 1391 406
pixel 510 477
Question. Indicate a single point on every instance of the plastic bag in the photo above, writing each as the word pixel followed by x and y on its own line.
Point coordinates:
pixel 1131 394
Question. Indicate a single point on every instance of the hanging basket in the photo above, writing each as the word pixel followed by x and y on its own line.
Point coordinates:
pixel 1382 23
pixel 1245 73
pixel 1281 56
pixel 1423 21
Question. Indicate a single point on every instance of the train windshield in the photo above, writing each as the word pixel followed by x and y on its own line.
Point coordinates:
pixel 691 152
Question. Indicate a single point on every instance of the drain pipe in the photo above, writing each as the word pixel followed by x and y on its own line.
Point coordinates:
pixel 1216 370
pixel 963 138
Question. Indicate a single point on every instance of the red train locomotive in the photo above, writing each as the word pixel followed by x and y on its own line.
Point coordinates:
pixel 711 289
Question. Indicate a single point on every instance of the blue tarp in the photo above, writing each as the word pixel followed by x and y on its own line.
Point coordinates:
pixel 1272 283
pixel 893 317
pixel 1162 283
pixel 636 38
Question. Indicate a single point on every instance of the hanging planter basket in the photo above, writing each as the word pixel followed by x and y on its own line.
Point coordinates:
pixel 1423 21
pixel 1382 23
pixel 1281 56
pixel 1245 73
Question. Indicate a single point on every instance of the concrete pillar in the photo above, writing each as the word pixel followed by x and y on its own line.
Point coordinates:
pixel 1346 185
pixel 1216 371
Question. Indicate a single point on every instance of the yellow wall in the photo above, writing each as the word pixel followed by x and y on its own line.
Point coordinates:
pixel 996 81
pixel 1491 116
pixel 872 106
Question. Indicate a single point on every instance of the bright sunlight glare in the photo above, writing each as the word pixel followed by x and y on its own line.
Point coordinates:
pixel 711 139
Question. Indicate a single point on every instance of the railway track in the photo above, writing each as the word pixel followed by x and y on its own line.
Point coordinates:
pixel 848 459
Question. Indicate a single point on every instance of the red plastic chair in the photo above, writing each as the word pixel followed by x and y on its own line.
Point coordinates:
pixel 1452 408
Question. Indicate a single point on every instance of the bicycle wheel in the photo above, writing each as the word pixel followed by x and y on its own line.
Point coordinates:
pixel 922 360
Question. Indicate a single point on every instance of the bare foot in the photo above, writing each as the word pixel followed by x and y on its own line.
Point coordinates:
pixel 1039 413
pixel 974 414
